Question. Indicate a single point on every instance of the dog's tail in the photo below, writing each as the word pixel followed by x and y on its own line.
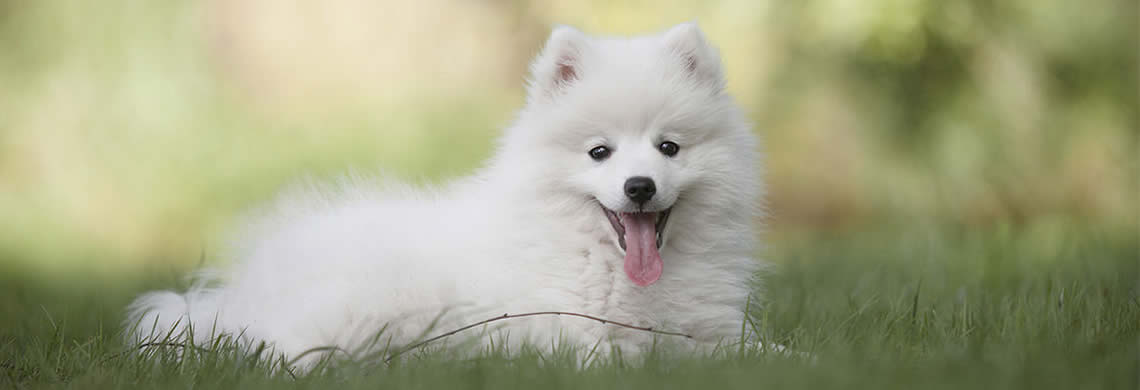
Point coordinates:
pixel 167 316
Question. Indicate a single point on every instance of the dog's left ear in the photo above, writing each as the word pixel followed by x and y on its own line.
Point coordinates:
pixel 560 64
pixel 696 56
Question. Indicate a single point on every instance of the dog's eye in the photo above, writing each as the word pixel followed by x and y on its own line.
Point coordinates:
pixel 668 148
pixel 600 153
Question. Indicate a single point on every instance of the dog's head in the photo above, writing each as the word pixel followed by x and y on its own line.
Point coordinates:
pixel 640 127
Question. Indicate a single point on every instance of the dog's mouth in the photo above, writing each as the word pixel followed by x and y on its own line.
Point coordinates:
pixel 640 236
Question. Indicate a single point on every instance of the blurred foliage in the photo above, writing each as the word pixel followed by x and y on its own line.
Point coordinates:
pixel 134 130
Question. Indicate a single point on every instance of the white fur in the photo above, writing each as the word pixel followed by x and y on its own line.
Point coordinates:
pixel 332 265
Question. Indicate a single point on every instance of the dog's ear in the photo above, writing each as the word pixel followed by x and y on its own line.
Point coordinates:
pixel 560 63
pixel 696 56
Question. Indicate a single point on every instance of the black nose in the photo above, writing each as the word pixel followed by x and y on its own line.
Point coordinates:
pixel 640 189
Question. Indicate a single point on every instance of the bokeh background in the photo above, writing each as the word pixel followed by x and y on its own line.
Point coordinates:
pixel 132 132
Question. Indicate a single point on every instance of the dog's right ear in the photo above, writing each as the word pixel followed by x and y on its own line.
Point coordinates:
pixel 560 63
pixel 700 59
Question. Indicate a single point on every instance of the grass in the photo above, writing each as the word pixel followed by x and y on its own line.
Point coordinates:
pixel 1037 306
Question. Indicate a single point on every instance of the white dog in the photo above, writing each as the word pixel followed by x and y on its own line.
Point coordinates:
pixel 627 189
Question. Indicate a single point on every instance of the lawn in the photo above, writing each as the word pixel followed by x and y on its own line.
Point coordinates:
pixel 1044 305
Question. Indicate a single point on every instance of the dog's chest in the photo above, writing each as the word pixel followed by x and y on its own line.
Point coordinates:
pixel 605 290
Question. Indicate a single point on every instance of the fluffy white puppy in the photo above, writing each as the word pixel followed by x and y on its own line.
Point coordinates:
pixel 626 189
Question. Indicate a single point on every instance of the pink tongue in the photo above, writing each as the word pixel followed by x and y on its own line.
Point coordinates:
pixel 642 261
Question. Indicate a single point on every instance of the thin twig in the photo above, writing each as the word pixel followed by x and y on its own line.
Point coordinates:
pixel 556 313
pixel 425 342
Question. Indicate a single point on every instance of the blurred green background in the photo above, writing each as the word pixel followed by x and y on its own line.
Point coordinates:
pixel 131 132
